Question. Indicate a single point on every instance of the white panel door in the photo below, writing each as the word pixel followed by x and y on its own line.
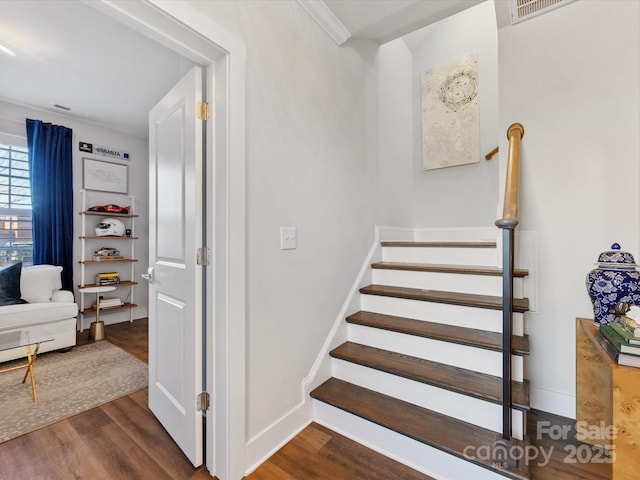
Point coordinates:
pixel 175 279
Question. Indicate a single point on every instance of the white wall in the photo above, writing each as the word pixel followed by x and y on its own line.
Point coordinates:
pixel 12 121
pixel 571 77
pixel 462 196
pixel 395 134
pixel 307 167
pixel 577 95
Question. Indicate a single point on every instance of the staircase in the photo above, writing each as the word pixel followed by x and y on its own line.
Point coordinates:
pixel 420 375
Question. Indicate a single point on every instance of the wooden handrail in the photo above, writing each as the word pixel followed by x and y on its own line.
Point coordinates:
pixel 512 188
pixel 508 223
pixel 490 155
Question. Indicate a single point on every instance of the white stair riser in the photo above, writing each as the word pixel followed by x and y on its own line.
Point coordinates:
pixel 462 316
pixel 441 255
pixel 468 409
pixel 428 460
pixel 451 282
pixel 462 356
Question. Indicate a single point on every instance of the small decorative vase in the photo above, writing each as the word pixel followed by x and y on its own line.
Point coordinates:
pixel 614 280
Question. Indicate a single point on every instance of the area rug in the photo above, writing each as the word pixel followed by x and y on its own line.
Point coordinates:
pixel 67 384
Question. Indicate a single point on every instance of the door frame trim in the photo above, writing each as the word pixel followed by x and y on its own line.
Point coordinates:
pixel 180 27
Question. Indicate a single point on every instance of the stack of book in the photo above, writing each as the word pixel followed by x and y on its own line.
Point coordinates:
pixel 107 278
pixel 621 340
pixel 107 258
pixel 109 303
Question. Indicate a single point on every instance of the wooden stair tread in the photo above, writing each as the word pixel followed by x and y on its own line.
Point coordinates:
pixel 444 268
pixel 438 296
pixel 439 331
pixel 445 433
pixel 460 380
pixel 441 244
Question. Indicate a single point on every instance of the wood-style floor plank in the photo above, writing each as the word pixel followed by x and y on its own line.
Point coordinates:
pixel 114 450
pixel 270 471
pixel 119 440
pixel 561 465
pixel 143 428
pixel 68 449
pixel 70 454
pixel 131 337
pixel 321 454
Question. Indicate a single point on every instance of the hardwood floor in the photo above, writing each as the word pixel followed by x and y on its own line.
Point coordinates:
pixel 123 440
pixel 131 337
pixel 319 453
pixel 119 440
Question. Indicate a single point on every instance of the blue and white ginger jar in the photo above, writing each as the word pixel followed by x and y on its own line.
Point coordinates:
pixel 615 280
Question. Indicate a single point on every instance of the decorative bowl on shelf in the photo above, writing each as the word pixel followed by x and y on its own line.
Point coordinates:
pixel 614 280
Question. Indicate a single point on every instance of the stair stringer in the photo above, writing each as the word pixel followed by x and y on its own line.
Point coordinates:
pixel 321 368
pixel 264 444
pixel 267 442
pixel 420 456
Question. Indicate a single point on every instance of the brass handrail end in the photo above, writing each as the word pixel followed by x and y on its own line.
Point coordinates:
pixel 515 127
pixel 490 155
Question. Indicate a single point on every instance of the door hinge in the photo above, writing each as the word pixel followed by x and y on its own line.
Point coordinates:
pixel 203 111
pixel 202 256
pixel 202 401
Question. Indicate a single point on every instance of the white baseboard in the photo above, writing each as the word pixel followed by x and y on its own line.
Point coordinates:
pixel 321 368
pixel 264 444
pixel 278 434
pixel 387 233
pixel 559 403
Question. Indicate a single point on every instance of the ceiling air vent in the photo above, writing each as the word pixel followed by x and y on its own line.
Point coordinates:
pixel 524 9
pixel 68 110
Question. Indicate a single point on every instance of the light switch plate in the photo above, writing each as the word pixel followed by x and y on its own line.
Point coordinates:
pixel 288 238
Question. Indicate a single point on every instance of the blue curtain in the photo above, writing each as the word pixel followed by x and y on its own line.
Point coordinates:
pixel 50 165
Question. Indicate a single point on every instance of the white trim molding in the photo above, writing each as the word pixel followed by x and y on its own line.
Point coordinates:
pixel 327 20
pixel 261 446
pixel 181 27
pixel 559 403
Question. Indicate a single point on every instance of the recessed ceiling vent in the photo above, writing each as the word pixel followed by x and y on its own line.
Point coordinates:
pixel 522 10
pixel 61 107
pixel 68 110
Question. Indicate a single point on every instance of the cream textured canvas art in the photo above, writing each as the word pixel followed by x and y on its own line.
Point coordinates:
pixel 450 130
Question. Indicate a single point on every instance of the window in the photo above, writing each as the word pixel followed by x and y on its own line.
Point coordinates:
pixel 16 241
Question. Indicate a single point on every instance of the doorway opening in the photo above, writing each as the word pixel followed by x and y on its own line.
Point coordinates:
pixel 183 29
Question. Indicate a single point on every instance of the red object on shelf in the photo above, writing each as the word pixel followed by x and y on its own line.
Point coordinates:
pixel 111 208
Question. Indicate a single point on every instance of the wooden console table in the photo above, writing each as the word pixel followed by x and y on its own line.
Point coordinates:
pixel 607 394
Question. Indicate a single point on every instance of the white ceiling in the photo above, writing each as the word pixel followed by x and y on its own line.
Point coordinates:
pixel 385 20
pixel 71 54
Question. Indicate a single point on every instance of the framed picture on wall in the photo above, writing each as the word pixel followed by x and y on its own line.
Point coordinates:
pixel 105 176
